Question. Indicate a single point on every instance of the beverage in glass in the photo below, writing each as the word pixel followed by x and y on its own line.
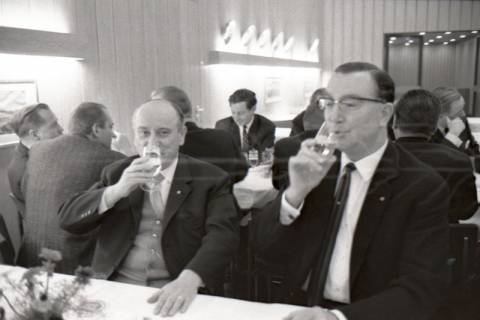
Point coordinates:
pixel 153 153
pixel 324 143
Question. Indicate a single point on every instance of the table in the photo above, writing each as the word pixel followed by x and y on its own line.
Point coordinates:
pixel 256 190
pixel 128 302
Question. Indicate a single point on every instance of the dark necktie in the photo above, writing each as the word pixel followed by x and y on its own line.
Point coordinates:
pixel 319 273
pixel 245 145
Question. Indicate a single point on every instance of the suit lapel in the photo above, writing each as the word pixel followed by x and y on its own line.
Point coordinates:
pixel 179 190
pixel 235 132
pixel 376 200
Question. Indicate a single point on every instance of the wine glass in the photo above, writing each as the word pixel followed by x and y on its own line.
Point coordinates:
pixel 324 143
pixel 153 153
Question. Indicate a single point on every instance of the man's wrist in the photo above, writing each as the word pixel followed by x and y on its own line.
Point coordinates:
pixel 294 196
pixel 192 277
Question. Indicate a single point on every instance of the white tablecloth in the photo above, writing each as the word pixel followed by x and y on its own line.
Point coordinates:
pixel 123 301
pixel 256 190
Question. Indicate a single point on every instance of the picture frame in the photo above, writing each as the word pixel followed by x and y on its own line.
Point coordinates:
pixel 14 95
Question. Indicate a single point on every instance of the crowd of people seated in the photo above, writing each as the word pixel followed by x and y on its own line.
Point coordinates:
pixel 360 231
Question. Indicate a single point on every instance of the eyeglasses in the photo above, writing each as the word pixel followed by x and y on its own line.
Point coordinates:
pixel 345 104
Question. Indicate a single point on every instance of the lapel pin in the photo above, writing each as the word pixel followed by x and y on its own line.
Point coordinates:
pixel 382 199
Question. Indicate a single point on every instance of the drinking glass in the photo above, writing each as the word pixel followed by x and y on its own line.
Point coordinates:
pixel 153 153
pixel 253 157
pixel 324 143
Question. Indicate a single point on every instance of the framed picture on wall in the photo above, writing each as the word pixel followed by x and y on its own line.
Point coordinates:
pixel 14 95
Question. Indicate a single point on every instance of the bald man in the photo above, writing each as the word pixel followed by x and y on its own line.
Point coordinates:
pixel 178 238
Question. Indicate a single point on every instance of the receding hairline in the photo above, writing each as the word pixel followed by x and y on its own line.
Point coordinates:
pixel 178 112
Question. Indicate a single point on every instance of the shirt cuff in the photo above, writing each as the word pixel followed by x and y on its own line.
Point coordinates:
pixel 453 139
pixel 288 213
pixel 105 202
pixel 338 314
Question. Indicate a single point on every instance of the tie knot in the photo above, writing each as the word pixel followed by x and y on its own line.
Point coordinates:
pixel 350 167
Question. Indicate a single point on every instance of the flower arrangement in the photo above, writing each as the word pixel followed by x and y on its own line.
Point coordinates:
pixel 35 297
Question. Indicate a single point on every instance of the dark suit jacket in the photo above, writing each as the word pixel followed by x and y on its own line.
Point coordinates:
pixel 200 221
pixel 455 167
pixel 283 150
pixel 260 136
pixel 297 124
pixel 400 245
pixel 58 169
pixel 7 253
pixel 469 145
pixel 216 147
pixel 16 170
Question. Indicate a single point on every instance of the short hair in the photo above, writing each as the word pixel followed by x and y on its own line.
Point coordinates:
pixel 417 111
pixel 27 119
pixel 175 95
pixel 315 96
pixel 85 116
pixel 242 95
pixel 178 111
pixel 385 84
pixel 447 96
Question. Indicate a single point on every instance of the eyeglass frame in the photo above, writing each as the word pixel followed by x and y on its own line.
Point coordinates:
pixel 344 107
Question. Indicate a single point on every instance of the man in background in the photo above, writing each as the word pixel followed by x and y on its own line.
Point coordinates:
pixel 249 130
pixel 31 124
pixel 211 145
pixel 58 169
pixel 415 120
pixel 179 237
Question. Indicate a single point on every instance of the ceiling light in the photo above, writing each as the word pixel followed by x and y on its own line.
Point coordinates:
pixel 438 37
pixel 463 36
pixel 314 45
pixel 426 43
pixel 248 35
pixel 228 31
pixel 446 42
pixel 422 33
pixel 431 40
pixel 448 32
pixel 407 44
pixel 393 38
pixel 411 41
pixel 474 31
pixel 453 40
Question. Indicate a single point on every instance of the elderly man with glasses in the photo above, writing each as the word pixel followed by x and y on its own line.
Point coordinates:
pixel 361 232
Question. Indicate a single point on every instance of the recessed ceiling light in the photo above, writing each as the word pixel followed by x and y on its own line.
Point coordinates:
pixel 463 36
pixel 411 41
pixel 474 31
pixel 407 44
pixel 426 43
pixel 431 40
pixel 448 32
pixel 453 40
pixel 390 42
pixel 393 38
pixel 422 33
pixel 438 37
pixel 445 42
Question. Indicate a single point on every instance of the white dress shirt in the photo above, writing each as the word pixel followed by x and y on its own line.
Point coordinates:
pixel 337 287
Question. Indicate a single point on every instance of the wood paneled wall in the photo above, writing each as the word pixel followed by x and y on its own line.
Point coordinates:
pixel 354 29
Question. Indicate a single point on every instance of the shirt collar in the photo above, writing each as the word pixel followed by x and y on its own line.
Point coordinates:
pixel 170 171
pixel 366 166
pixel 248 124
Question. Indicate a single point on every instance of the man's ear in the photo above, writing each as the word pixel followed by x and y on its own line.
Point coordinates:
pixel 33 134
pixel 254 108
pixel 96 130
pixel 387 113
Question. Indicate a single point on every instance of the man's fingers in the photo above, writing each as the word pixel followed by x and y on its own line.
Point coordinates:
pixel 179 301
pixel 167 306
pixel 162 299
pixel 155 296
pixel 186 304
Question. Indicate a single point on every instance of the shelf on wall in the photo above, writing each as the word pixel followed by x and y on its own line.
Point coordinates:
pixel 221 57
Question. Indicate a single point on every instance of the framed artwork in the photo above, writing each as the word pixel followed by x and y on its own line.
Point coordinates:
pixel 272 90
pixel 15 95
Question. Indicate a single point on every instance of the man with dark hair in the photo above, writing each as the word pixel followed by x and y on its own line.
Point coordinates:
pixel 31 124
pixel 58 169
pixel 211 145
pixel 249 130
pixel 179 236
pixel 361 232
pixel 415 120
